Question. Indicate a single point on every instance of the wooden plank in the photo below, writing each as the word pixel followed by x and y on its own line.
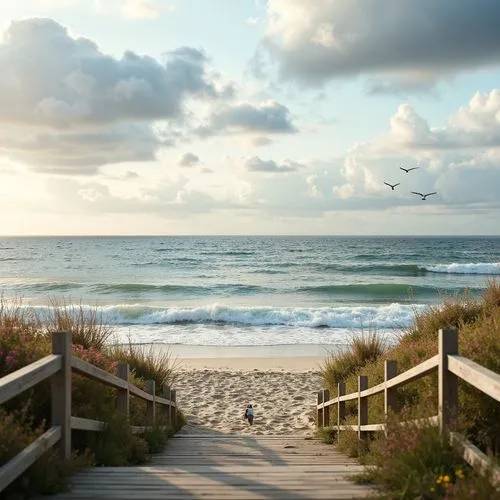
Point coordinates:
pixel 478 376
pixel 362 405
pixel 372 427
pixel 96 373
pixel 476 458
pixel 414 373
pixel 17 465
pixel 447 381
pixel 60 388
pixel 123 397
pixel 376 389
pixel 86 424
pixel 140 393
pixel 164 401
pixel 23 379
pixel 326 411
pixel 390 394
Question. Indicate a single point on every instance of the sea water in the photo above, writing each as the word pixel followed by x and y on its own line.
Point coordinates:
pixel 244 291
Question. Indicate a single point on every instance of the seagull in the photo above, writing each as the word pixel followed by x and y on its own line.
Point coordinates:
pixel 392 186
pixel 424 196
pixel 408 169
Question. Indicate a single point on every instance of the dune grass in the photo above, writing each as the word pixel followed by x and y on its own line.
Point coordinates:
pixel 478 322
pixel 25 337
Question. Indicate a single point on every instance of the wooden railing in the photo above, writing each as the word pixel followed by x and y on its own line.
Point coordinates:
pixel 58 367
pixel 450 367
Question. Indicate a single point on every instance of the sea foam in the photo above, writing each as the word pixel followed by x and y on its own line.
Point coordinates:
pixel 471 268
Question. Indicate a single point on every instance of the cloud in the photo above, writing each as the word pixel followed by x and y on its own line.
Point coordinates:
pixel 268 117
pixel 64 102
pixel 134 9
pixel 476 125
pixel 313 42
pixel 140 9
pixel 188 160
pixel 255 164
pixel 261 141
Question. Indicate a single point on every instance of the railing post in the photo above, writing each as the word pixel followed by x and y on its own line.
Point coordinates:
pixel 340 406
pixel 61 391
pixel 123 399
pixel 166 409
pixel 362 405
pixel 390 394
pixel 173 409
pixel 151 405
pixel 448 382
pixel 319 416
pixel 326 411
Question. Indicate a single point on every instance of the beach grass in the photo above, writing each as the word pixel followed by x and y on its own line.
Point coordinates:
pixel 478 323
pixel 25 337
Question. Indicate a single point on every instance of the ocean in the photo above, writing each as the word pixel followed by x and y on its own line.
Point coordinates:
pixel 246 291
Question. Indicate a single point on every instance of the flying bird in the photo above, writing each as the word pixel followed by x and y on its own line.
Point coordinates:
pixel 408 169
pixel 392 186
pixel 424 196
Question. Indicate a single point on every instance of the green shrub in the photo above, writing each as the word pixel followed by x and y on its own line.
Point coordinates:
pixel 361 350
pixel 117 445
pixel 416 461
pixel 147 364
pixel 25 338
pixel 49 473
pixel 478 321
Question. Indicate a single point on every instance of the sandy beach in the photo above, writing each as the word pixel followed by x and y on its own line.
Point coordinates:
pixel 213 392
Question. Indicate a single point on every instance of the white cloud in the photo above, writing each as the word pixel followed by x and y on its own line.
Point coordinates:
pixel 255 164
pixel 140 9
pixel 268 117
pixel 410 42
pixel 65 103
pixel 134 9
pixel 476 125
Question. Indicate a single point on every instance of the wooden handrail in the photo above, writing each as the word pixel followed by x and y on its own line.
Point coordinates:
pixel 476 375
pixel 57 367
pixel 17 465
pixel 450 367
pixel 23 379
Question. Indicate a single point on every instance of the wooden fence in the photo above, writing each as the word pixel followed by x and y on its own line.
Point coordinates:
pixel 450 367
pixel 58 367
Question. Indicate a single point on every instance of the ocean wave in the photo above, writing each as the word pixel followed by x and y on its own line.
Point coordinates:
pixel 384 316
pixel 375 290
pixel 194 290
pixel 125 288
pixel 471 268
pixel 384 269
pixel 53 286
pixel 229 253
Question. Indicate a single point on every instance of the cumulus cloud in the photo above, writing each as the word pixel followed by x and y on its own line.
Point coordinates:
pixel 476 125
pixel 269 117
pixel 313 42
pixel 188 160
pixel 255 164
pixel 63 101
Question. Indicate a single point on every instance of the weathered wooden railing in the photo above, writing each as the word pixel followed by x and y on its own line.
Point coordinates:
pixel 58 367
pixel 450 366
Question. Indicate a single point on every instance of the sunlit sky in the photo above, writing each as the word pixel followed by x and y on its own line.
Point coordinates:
pixel 249 117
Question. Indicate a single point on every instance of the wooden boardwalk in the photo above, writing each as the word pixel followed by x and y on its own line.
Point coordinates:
pixel 221 466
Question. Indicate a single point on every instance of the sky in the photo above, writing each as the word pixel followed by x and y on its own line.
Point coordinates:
pixel 221 117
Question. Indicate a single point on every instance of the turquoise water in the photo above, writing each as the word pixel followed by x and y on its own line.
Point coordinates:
pixel 246 290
